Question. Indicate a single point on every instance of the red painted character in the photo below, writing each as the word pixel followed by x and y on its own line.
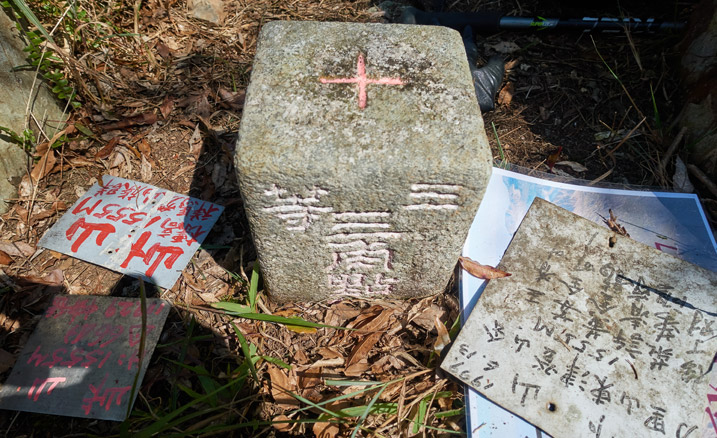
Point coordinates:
pixel 88 228
pixel 54 381
pixel 104 398
pixel 137 250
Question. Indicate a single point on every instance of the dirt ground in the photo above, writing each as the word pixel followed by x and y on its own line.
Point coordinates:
pixel 164 108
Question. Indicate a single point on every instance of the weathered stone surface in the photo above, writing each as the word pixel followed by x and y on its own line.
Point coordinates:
pixel 361 157
pixel 207 10
pixel 16 90
pixel 593 331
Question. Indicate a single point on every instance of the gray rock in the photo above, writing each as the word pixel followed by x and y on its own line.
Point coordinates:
pixel 360 190
pixel 16 90
pixel 207 10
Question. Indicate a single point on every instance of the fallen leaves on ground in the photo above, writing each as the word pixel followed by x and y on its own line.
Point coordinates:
pixel 612 223
pixel 142 119
pixel 281 386
pixel 553 158
pixel 484 272
pixel 5 259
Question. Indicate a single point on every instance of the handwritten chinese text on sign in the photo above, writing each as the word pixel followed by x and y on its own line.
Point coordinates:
pixel 134 228
pixel 82 358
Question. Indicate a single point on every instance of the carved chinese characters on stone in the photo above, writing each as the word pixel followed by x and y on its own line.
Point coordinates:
pixel 82 358
pixel 135 228
pixel 297 211
pixel 361 158
pixel 362 254
pixel 593 334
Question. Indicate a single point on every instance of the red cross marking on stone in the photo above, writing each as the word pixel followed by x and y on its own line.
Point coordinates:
pixel 362 81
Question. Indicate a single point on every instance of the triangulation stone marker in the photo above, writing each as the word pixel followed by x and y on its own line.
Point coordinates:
pixel 362 158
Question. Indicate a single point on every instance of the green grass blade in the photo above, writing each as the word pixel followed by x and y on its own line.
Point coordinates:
pixel 276 361
pixel 451 413
pixel 189 391
pixel 655 111
pixel 311 404
pixel 165 421
pixel 239 309
pixel 332 382
pixel 247 353
pixel 29 16
pixel 503 164
pixel 232 308
pixel 420 416
pixel 377 408
pixel 366 411
pixel 254 286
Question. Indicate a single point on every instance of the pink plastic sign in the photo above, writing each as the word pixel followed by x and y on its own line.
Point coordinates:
pixel 134 228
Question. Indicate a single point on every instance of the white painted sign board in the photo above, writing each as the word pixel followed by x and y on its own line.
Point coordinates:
pixel 593 335
pixel 134 228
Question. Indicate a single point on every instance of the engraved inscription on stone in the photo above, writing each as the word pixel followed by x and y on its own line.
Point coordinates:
pixel 593 334
pixel 361 158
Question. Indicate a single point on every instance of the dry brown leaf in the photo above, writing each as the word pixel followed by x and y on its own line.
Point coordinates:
pixel 614 225
pixel 281 423
pixel 365 316
pixel 143 146
pixel 505 96
pixel 145 170
pixel 329 353
pixel 142 119
pixel 54 278
pixel 233 100
pixel 310 377
pixel 57 255
pixel 577 167
pixel 163 51
pixel 7 360
pixel 424 315
pixel 360 351
pixel 356 369
pixel 17 249
pixel 167 106
pixel 107 149
pixel 443 338
pixel 326 430
pixel 195 142
pixel 44 166
pixel 341 312
pixel 379 323
pixel 483 272
pixel 42 214
pixel 280 384
pixel 5 259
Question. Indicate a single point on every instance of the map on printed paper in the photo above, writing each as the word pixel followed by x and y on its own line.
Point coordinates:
pixel 671 222
pixel 134 228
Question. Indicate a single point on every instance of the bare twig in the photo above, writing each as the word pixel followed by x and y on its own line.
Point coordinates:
pixel 671 149
pixel 704 179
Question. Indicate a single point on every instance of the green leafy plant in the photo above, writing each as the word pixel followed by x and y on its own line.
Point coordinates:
pixel 25 140
pixel 39 51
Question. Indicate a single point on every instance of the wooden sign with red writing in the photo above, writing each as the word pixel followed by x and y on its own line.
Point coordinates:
pixel 82 359
pixel 134 228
